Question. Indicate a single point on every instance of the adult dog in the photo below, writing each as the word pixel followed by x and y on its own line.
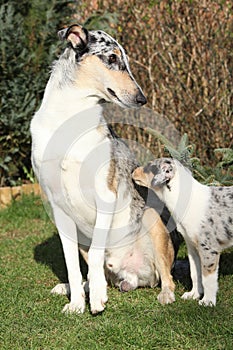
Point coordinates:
pixel 86 172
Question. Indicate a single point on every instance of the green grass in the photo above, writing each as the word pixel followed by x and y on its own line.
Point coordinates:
pixel 30 317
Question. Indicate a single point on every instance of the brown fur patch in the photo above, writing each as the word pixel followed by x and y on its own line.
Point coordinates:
pixel 142 178
pixel 163 248
pixel 209 269
pixel 76 35
pixel 92 72
pixel 117 52
pixel 84 255
pixel 112 181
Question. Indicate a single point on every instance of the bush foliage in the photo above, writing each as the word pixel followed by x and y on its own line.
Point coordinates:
pixel 28 47
pixel 180 52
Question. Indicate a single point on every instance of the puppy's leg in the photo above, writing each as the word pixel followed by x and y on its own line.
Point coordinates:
pixel 163 254
pixel 209 264
pixel 68 234
pixel 195 271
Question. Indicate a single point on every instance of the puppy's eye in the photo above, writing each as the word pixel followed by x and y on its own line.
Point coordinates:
pixel 112 58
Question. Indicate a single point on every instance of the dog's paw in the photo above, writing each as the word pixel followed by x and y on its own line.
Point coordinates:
pixel 77 308
pixel 61 289
pixel 191 295
pixel 207 302
pixel 166 296
pixel 98 298
pixel 98 306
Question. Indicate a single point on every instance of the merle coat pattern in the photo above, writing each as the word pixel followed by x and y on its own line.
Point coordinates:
pixel 86 172
pixel 204 216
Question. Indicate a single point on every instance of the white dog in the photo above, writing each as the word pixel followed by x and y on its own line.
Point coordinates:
pixel 204 216
pixel 85 170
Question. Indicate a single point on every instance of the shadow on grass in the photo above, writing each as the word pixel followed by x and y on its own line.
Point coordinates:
pixel 181 270
pixel 226 266
pixel 50 253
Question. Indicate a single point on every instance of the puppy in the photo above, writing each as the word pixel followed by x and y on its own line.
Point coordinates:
pixel 204 216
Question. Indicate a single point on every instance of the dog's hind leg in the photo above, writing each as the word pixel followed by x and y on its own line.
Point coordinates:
pixel 163 254
pixel 68 234
pixel 209 264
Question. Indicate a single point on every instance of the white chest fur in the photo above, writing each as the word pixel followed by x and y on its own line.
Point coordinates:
pixel 187 200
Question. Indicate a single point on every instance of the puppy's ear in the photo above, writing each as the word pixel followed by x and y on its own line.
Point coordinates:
pixel 165 173
pixel 76 35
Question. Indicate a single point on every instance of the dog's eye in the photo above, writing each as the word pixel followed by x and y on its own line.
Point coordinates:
pixel 112 59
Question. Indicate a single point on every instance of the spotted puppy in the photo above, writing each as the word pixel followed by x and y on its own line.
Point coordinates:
pixel 204 216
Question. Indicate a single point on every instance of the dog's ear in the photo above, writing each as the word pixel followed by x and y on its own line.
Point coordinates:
pixel 76 35
pixel 165 173
pixel 140 177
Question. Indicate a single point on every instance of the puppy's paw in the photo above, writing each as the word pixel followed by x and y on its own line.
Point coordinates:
pixel 207 302
pixel 191 295
pixel 166 296
pixel 61 289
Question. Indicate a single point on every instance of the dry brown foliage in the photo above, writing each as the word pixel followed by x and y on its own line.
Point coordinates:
pixel 181 53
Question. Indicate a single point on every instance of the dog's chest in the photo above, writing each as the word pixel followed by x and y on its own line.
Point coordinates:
pixel 188 202
pixel 83 170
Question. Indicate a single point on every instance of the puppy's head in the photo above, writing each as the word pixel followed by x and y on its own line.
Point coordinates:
pixel 155 174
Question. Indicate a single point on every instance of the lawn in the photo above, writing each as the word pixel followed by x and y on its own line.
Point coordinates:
pixel 32 263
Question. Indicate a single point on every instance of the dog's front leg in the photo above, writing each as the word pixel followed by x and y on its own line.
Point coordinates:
pixel 68 234
pixel 195 270
pixel 96 255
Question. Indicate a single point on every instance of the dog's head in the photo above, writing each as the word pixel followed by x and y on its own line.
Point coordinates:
pixel 102 66
pixel 155 174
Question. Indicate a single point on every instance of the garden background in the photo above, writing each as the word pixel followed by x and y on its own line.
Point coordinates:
pixel 181 54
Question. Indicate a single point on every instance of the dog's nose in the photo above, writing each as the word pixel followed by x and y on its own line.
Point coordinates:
pixel 141 99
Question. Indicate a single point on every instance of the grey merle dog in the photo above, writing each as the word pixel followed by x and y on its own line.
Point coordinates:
pixel 85 171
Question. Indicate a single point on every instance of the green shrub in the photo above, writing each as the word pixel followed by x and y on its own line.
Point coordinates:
pixel 28 47
pixel 180 53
